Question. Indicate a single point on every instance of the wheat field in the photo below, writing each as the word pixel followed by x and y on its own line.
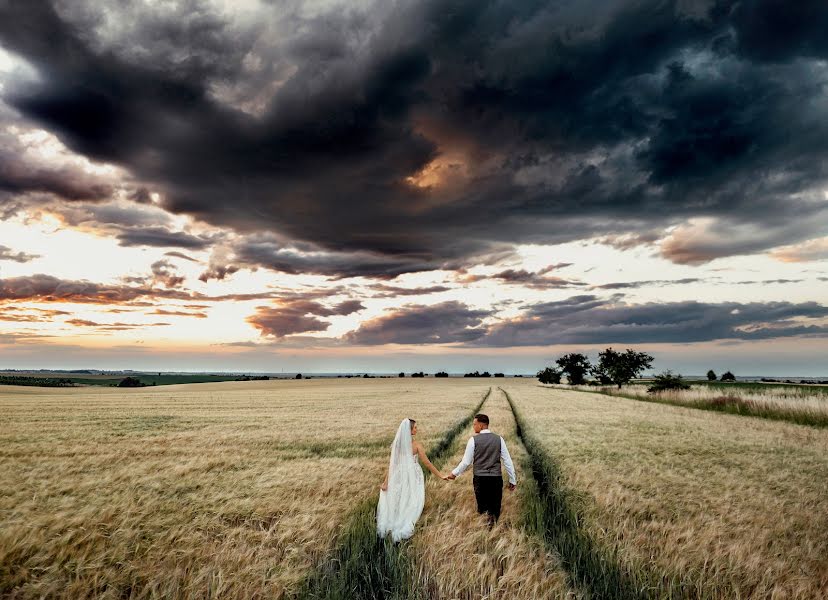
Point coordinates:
pixel 806 404
pixel 736 505
pixel 247 489
pixel 212 490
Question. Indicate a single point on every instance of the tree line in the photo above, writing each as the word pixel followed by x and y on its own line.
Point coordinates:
pixel 613 368
pixel 616 368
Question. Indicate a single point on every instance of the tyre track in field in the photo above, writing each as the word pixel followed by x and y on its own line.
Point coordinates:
pixel 365 567
pixel 559 521
pixel 456 556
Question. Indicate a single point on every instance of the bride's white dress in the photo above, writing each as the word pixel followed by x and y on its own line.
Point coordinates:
pixel 402 504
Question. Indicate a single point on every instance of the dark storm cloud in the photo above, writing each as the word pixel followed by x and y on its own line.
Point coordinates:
pixel 589 320
pixel 7 253
pixel 553 121
pixel 444 323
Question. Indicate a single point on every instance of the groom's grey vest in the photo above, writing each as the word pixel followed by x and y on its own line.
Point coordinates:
pixel 487 455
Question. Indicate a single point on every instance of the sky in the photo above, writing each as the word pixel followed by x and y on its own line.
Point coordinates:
pixel 327 186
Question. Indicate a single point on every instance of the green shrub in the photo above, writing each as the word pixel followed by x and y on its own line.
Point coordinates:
pixel 668 381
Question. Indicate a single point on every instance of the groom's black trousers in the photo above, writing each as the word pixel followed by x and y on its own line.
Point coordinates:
pixel 489 493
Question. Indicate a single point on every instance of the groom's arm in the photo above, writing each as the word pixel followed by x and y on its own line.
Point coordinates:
pixel 468 458
pixel 507 462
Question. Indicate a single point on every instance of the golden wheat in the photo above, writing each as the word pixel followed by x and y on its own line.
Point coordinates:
pixel 214 490
pixel 740 505
pixel 456 555
pixel 803 404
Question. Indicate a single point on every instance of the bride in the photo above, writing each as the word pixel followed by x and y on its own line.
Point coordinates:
pixel 402 495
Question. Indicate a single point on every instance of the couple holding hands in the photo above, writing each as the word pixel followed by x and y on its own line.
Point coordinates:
pixel 402 494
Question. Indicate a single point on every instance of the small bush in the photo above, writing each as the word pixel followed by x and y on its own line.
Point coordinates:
pixel 549 375
pixel 668 381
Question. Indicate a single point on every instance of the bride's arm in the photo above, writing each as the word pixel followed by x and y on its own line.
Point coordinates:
pixel 424 457
pixel 384 486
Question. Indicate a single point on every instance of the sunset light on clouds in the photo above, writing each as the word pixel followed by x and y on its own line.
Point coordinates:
pixel 213 186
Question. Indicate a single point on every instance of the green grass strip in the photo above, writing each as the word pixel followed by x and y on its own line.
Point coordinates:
pixel 366 567
pixel 728 404
pixel 555 514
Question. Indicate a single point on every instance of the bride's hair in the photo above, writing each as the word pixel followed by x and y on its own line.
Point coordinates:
pixel 412 423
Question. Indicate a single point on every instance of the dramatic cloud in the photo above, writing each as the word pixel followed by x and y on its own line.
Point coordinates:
pixel 158 236
pixel 298 316
pixel 444 323
pixel 7 253
pixel 46 288
pixel 589 320
pixel 368 134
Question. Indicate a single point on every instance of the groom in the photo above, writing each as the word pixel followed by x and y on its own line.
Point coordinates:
pixel 485 450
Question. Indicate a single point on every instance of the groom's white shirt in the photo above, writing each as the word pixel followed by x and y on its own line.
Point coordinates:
pixel 468 459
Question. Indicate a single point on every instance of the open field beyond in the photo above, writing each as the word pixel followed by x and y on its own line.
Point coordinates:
pixel 693 503
pixel 803 404
pixel 253 489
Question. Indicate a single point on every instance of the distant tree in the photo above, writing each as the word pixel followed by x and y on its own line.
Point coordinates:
pixel 574 366
pixel 130 382
pixel 711 375
pixel 599 372
pixel 485 374
pixel 668 381
pixel 298 376
pixel 441 374
pixel 548 375
pixel 499 375
pixel 620 368
pixel 401 374
pixel 728 376
pixel 420 374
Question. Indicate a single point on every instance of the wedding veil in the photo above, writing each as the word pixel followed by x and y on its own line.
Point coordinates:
pixel 400 506
pixel 400 451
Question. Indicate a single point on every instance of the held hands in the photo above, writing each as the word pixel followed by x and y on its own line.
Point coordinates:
pixel 512 487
